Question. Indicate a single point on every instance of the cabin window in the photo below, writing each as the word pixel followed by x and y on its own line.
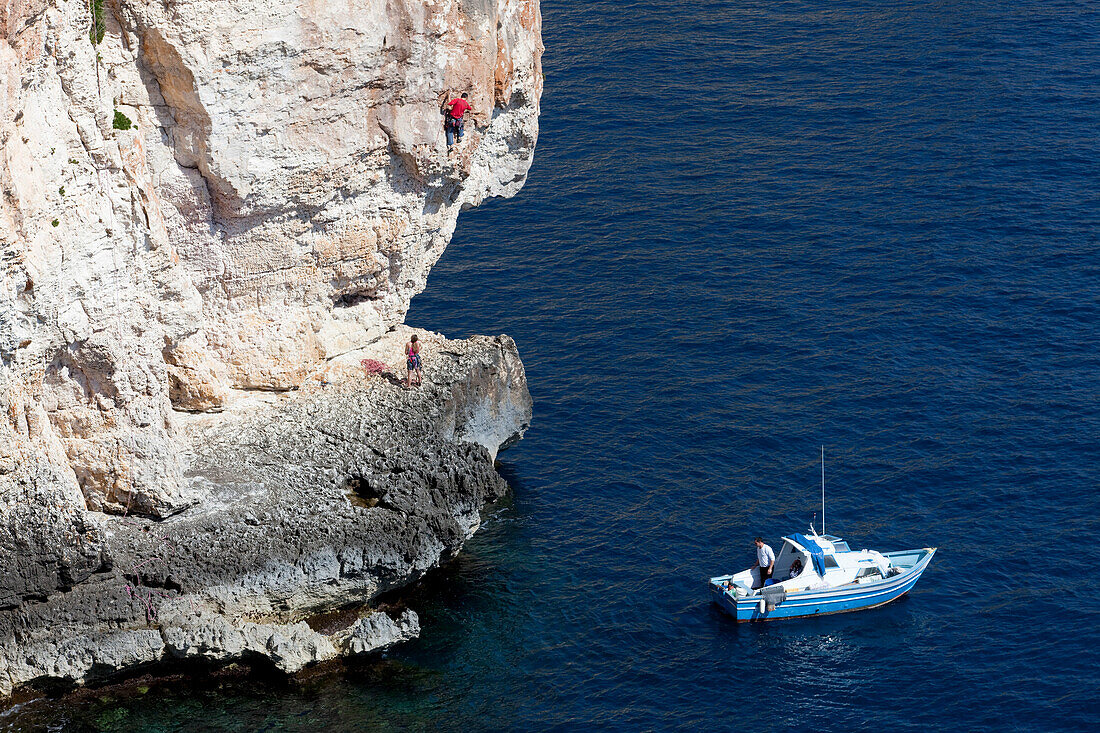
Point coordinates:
pixel 842 547
pixel 868 572
pixel 830 562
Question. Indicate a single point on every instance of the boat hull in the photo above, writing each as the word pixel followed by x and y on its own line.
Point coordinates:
pixel 802 604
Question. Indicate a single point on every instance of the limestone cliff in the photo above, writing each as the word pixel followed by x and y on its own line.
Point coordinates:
pixel 204 200
pixel 279 197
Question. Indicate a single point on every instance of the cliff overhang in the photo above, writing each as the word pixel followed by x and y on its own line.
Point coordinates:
pixel 211 212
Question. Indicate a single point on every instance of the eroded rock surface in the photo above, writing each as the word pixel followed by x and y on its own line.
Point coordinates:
pixel 207 207
pixel 316 499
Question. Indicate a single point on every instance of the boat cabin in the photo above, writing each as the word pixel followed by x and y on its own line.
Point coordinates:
pixel 827 560
pixel 818 561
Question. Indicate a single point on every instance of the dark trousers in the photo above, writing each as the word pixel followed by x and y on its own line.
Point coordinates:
pixel 764 575
pixel 454 129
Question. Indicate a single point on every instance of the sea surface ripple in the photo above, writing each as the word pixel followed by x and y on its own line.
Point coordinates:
pixel 753 229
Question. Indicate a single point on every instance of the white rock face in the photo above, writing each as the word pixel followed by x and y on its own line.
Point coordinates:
pixel 280 196
pixel 201 200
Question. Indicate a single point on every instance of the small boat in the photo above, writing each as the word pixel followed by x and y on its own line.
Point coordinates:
pixel 832 578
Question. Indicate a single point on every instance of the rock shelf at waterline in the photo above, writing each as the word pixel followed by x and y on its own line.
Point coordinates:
pixel 311 500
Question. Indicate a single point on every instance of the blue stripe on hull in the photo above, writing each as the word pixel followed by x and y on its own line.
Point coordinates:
pixel 820 603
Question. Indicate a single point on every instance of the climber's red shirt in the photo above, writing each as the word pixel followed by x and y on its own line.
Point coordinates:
pixel 459 107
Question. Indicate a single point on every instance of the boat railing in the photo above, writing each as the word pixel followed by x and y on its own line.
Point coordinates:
pixel 906 559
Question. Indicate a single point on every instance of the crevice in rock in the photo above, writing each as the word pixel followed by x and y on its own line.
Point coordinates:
pixel 348 300
pixel 329 622
pixel 364 492
pixel 153 580
pixel 187 121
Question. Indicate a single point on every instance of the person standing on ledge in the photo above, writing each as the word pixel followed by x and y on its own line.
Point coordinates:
pixel 765 560
pixel 455 121
pixel 413 363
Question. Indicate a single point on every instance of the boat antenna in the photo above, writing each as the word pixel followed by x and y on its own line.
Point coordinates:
pixel 822 489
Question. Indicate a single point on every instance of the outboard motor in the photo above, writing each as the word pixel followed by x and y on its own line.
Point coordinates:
pixel 774 595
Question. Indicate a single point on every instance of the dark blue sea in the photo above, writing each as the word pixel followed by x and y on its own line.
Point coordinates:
pixel 752 230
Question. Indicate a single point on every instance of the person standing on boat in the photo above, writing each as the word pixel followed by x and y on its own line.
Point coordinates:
pixel 765 560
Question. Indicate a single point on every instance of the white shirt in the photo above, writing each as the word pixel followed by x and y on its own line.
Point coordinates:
pixel 764 556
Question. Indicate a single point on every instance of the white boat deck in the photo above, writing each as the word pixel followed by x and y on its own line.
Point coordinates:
pixel 842 566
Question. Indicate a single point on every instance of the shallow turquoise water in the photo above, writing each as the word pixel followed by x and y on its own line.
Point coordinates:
pixel 753 229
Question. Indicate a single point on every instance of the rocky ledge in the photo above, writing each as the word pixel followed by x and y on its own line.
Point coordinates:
pixel 306 501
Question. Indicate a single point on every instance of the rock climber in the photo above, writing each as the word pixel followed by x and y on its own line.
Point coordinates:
pixel 454 120
pixel 412 362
